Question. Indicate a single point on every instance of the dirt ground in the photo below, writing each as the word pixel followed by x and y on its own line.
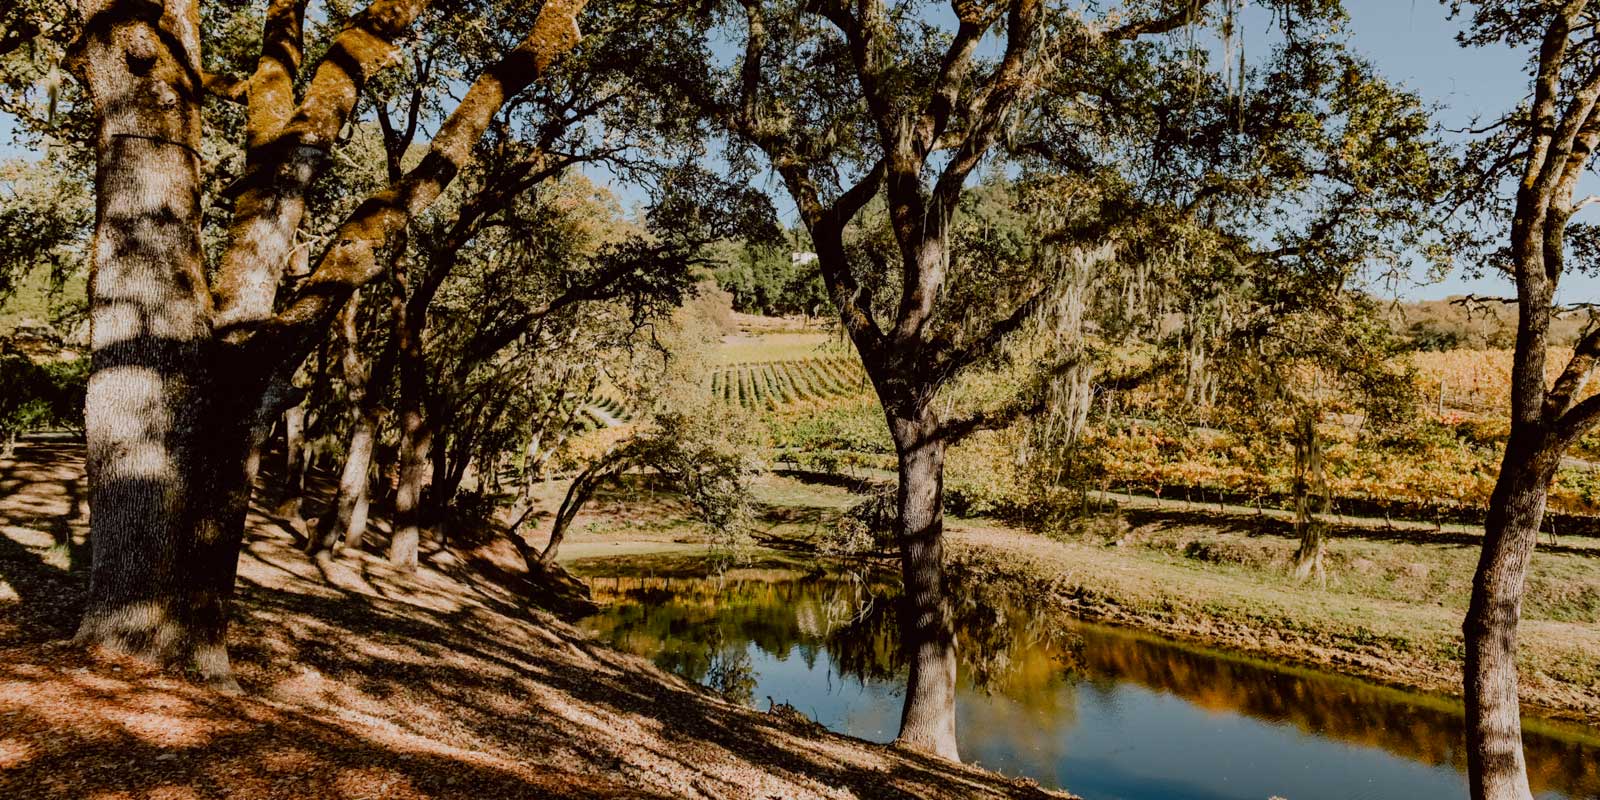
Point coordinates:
pixel 361 683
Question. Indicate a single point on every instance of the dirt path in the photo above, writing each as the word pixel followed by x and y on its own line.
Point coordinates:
pixel 365 684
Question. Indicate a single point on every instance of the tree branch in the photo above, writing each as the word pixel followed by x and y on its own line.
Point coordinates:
pixel 1178 18
pixel 269 91
pixel 1564 392
pixel 352 260
pixel 286 155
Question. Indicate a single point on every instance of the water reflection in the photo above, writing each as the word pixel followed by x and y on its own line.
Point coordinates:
pixel 1105 712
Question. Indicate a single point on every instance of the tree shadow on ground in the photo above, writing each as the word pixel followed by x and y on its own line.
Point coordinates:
pixel 363 681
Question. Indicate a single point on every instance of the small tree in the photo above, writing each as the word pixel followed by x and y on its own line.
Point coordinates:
pixel 1303 355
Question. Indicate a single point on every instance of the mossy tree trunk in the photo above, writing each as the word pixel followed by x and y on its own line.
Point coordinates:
pixel 184 374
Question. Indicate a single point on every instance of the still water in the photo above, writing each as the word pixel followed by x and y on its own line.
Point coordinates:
pixel 1107 713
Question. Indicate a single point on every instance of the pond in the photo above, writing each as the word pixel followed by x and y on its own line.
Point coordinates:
pixel 1107 713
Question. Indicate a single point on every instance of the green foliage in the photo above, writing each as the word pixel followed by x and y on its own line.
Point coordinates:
pixel 46 212
pixel 769 280
pixel 41 396
pixel 854 425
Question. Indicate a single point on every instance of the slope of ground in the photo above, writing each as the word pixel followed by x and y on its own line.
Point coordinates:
pixel 361 683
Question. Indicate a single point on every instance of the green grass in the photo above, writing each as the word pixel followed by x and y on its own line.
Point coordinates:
pixel 1390 610
pixel 782 347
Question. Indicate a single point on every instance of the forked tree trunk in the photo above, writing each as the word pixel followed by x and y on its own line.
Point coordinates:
pixel 928 720
pixel 345 522
pixel 167 456
pixel 1494 721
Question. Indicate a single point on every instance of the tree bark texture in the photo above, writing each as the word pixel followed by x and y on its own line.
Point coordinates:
pixel 167 449
pixel 928 720
pixel 1494 720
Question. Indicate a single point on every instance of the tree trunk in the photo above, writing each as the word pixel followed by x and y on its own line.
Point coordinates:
pixel 416 436
pixel 167 452
pixel 1311 498
pixel 578 494
pixel 928 721
pixel 416 440
pixel 1494 720
pixel 294 466
pixel 450 462
pixel 345 521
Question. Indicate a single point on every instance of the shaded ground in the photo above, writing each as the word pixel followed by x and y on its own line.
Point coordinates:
pixel 362 683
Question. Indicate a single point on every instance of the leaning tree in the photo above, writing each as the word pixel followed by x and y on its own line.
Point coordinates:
pixel 1524 174
pixel 190 364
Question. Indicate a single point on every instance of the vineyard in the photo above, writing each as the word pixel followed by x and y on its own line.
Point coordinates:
pixel 1469 382
pixel 818 412
pixel 774 384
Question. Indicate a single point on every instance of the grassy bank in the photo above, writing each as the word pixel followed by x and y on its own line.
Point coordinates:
pixel 1390 609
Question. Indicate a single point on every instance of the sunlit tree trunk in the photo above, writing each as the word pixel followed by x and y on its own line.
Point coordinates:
pixel 167 452
pixel 347 523
pixel 1494 730
pixel 928 719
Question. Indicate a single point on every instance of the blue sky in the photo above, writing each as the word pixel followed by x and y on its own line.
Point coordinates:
pixel 1412 42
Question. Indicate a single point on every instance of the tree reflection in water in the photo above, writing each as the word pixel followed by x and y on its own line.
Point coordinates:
pixel 706 630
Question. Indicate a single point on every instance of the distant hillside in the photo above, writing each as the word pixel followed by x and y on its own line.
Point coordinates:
pixel 1454 323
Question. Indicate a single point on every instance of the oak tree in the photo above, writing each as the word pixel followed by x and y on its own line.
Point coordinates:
pixel 190 364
